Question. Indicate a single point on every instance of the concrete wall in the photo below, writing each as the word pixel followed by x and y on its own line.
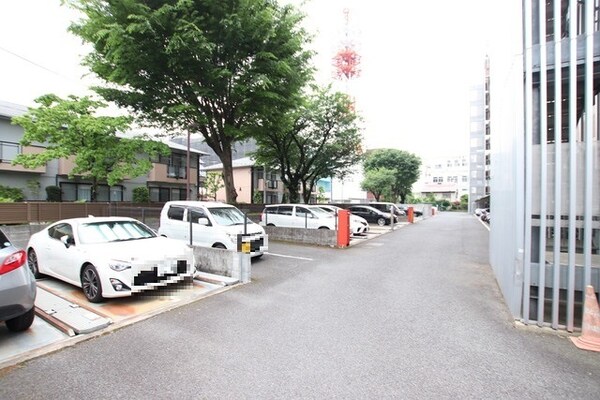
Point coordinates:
pixel 322 237
pixel 223 262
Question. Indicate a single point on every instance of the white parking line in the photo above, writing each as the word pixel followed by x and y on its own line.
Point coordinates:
pixel 284 256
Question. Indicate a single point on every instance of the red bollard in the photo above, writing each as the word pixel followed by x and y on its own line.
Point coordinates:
pixel 411 215
pixel 343 228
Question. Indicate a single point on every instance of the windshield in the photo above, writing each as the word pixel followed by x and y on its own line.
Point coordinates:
pixel 227 216
pixel 113 231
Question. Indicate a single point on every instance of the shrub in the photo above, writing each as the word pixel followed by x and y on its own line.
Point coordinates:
pixel 14 194
pixel 257 198
pixel 141 194
pixel 53 193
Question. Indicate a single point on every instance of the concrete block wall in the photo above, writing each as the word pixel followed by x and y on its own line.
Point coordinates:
pixel 321 237
pixel 223 262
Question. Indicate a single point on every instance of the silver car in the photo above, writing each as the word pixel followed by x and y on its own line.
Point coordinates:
pixel 17 287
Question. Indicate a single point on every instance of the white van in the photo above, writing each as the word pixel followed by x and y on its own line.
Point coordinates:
pixel 297 216
pixel 214 224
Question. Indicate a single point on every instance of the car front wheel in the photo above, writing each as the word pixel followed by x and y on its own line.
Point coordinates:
pixel 90 283
pixel 381 221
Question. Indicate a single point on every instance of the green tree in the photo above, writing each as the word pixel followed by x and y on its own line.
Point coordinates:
pixel 70 129
pixel 141 194
pixel 218 67
pixel 379 181
pixel 404 164
pixel 258 198
pixel 319 139
pixel 464 202
pixel 213 182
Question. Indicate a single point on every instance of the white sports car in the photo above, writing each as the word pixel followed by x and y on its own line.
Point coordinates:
pixel 108 256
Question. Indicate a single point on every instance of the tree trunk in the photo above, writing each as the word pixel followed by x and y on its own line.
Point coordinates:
pixel 223 151
pixel 230 192
pixel 306 192
pixel 294 195
pixel 93 190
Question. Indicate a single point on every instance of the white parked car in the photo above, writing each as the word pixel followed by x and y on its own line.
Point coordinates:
pixel 108 256
pixel 358 225
pixel 214 224
pixel 297 216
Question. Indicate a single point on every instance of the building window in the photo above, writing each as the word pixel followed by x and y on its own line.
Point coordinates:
pixel 438 179
pixel 83 191
pixel 453 179
pixel 116 193
pixel 9 151
pixel 160 194
pixel 272 198
pixel 176 166
pixel 465 178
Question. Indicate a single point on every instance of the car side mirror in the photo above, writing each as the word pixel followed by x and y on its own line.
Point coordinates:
pixel 203 221
pixel 67 240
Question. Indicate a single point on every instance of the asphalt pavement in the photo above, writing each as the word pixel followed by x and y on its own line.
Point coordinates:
pixel 413 314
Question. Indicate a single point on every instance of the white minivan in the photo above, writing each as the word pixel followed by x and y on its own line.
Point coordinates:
pixel 214 224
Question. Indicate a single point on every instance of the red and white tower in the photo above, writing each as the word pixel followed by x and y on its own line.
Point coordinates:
pixel 346 61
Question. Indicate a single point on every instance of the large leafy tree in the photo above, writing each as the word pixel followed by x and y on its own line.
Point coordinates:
pixel 218 67
pixel 379 181
pixel 70 128
pixel 319 139
pixel 404 164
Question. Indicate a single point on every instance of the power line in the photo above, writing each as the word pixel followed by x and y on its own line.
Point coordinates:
pixel 33 63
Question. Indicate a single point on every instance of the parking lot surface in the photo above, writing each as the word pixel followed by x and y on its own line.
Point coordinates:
pixel 414 314
pixel 50 331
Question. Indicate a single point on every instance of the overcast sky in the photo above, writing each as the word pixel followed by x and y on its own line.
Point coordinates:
pixel 419 60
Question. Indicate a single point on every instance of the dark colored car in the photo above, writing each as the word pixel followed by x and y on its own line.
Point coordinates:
pixel 416 212
pixel 371 214
pixel 17 287
pixel 385 207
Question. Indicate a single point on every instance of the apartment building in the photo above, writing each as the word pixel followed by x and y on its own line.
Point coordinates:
pixel 252 183
pixel 545 184
pixel 167 180
pixel 444 178
pixel 480 146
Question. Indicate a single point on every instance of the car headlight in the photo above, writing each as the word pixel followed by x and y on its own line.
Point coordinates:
pixel 118 265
